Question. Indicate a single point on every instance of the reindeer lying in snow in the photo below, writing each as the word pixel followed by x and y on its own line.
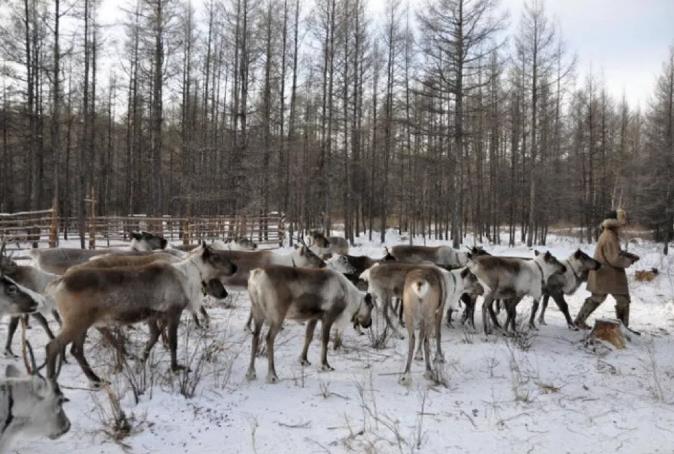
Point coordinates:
pixel 426 291
pixel 156 292
pixel 30 406
pixel 280 292
pixel 511 278
pixel 58 260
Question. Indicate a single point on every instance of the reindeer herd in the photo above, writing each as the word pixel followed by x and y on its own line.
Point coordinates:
pixel 153 282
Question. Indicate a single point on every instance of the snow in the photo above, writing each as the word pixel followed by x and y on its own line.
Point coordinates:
pixel 543 392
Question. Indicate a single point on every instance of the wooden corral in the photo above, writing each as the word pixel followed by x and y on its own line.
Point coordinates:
pixel 45 228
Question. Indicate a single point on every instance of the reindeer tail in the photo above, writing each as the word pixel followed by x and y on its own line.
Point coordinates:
pixel 420 287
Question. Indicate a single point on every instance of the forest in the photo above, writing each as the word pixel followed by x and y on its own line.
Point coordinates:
pixel 434 118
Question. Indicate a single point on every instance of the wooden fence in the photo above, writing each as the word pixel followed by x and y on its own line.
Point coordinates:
pixel 32 229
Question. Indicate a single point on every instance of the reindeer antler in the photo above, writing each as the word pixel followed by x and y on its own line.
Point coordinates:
pixel 27 352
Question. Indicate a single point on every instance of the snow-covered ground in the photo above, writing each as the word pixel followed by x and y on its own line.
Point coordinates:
pixel 543 392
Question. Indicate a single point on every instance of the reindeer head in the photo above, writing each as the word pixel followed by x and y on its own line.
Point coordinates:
pixel 341 264
pixel 16 299
pixel 146 241
pixel 38 403
pixel 304 257
pixel 549 264
pixel 212 264
pixel 584 262
pixel 363 316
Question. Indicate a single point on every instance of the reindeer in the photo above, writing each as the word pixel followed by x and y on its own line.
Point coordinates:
pixel 213 287
pixel 324 246
pixel 31 406
pixel 352 266
pixel 280 292
pixel 578 265
pixel 58 260
pixel 32 279
pixel 246 261
pixel 426 291
pixel 157 292
pixel 443 256
pixel 235 244
pixel 512 278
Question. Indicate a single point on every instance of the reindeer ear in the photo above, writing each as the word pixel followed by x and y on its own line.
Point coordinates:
pixel 578 254
pixel 163 243
pixel 464 273
pixel 136 236
pixel 12 372
pixel 548 256
pixel 207 250
pixel 302 250
pixel 536 252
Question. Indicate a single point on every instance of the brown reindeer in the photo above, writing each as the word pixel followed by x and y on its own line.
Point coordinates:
pixel 311 295
pixel 159 291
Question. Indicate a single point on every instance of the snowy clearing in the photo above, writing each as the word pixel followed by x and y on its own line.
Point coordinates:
pixel 541 392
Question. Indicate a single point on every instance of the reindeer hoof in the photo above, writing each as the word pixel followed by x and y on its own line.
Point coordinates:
pixel 10 354
pixel 327 368
pixel 305 362
pixel 430 375
pixel 405 380
pixel 272 379
pixel 251 375
pixel 573 327
pixel 418 357
pixel 439 359
pixel 542 322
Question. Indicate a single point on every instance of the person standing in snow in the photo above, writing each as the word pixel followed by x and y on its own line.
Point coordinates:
pixel 611 277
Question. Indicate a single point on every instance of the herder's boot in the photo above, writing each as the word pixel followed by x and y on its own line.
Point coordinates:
pixel 588 308
pixel 622 311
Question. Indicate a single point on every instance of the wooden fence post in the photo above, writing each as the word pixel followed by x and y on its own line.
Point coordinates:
pixel 281 229
pixel 54 227
pixel 92 219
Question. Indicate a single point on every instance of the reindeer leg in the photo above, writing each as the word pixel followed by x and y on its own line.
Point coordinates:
pixel 564 307
pixel 532 317
pixel 207 318
pixel 439 356
pixel 493 313
pixel 172 329
pixel 406 378
pixel 311 326
pixel 326 324
pixel 248 327
pixel 389 323
pixel 155 332
pixel 11 329
pixel 257 328
pixel 485 317
pixel 427 353
pixel 274 328
pixel 44 324
pixel 195 319
pixel 77 350
pixel 544 307
pixel 55 348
